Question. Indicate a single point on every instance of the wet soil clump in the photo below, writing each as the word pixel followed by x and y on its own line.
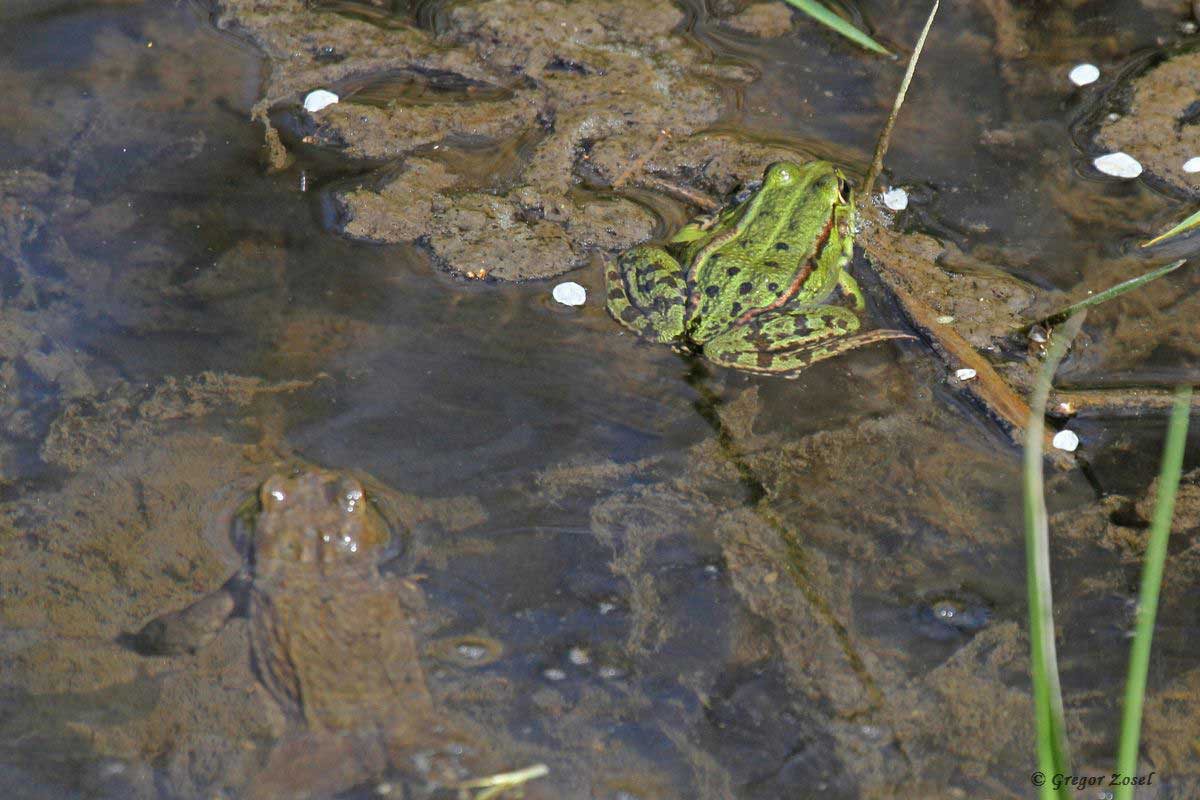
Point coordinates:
pixel 1160 126
pixel 541 83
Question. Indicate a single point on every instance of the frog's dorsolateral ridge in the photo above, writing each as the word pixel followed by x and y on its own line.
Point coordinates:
pixel 751 288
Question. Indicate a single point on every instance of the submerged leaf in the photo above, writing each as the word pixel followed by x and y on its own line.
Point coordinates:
pixel 826 17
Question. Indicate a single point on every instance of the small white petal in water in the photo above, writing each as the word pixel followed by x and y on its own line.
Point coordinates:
pixel 316 100
pixel 570 293
pixel 965 374
pixel 895 199
pixel 1120 165
pixel 1083 74
pixel 1065 440
pixel 1192 165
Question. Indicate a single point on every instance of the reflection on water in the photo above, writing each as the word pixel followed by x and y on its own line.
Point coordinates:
pixel 684 582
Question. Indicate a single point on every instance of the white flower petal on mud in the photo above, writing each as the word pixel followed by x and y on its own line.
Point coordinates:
pixel 318 99
pixel 1065 440
pixel 895 199
pixel 1120 165
pixel 570 293
pixel 1192 165
pixel 965 374
pixel 1083 74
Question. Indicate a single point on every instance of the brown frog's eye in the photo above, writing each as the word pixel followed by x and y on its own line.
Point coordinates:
pixel 350 495
pixel 273 493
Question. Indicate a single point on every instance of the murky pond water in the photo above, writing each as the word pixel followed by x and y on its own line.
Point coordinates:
pixel 660 578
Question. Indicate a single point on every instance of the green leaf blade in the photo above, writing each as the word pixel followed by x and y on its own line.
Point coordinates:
pixel 1052 747
pixel 1189 223
pixel 826 17
pixel 1152 571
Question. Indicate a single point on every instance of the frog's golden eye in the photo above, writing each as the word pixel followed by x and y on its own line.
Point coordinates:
pixel 843 189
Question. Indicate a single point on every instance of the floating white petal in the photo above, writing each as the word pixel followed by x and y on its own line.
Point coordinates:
pixel 318 99
pixel 1083 74
pixel 1065 440
pixel 570 293
pixel 895 199
pixel 965 374
pixel 1192 165
pixel 1120 165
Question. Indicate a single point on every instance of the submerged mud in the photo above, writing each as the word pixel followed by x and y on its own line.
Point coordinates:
pixel 658 578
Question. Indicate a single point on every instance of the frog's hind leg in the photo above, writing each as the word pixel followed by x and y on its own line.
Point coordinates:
pixel 647 293
pixel 784 343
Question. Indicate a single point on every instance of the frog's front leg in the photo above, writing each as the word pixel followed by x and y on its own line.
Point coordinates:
pixel 647 293
pixel 785 342
pixel 191 628
pixel 851 289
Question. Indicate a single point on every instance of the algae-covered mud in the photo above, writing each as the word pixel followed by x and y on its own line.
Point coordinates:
pixel 308 487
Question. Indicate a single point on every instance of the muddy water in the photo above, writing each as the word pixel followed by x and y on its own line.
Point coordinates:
pixel 689 582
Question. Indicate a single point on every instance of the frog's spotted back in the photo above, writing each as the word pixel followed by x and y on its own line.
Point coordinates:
pixel 756 287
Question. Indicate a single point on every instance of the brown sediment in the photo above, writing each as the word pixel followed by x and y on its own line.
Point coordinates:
pixel 1156 128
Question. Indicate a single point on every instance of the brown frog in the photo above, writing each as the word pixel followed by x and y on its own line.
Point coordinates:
pixel 331 640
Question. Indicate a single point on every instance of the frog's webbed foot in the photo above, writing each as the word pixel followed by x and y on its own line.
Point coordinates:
pixel 784 343
pixel 191 628
pixel 647 293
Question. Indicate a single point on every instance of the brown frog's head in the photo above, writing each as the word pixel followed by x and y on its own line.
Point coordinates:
pixel 318 518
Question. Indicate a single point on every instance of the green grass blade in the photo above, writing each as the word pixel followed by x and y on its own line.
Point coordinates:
pixel 1147 607
pixel 1114 291
pixel 826 17
pixel 1053 755
pixel 1189 223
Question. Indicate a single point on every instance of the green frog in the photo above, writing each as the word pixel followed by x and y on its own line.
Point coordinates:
pixel 751 288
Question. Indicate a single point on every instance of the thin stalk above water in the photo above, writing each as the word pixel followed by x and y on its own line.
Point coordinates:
pixel 881 145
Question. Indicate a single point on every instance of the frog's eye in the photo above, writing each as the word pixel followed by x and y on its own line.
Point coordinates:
pixel 350 495
pixel 273 493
